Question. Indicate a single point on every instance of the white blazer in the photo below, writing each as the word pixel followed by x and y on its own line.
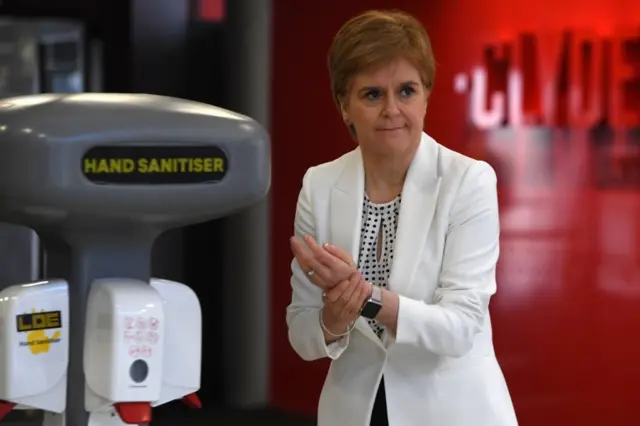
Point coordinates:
pixel 440 369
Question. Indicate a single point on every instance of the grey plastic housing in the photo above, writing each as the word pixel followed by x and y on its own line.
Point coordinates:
pixel 44 139
pixel 77 169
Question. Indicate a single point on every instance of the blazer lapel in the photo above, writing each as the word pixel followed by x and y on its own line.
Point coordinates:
pixel 419 199
pixel 346 206
pixel 347 197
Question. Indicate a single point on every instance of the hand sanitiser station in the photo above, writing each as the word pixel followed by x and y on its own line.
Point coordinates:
pixel 99 342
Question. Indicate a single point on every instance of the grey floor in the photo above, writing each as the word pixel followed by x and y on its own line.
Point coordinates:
pixel 178 416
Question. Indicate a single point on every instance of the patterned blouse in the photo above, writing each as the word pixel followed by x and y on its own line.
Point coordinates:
pixel 379 226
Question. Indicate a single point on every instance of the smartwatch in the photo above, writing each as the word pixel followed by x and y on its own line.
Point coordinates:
pixel 373 305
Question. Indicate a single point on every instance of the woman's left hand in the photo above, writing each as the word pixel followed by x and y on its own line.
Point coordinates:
pixel 324 268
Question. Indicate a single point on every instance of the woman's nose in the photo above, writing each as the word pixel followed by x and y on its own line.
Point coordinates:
pixel 391 105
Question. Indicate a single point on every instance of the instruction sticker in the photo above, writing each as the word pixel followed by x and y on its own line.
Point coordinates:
pixel 155 165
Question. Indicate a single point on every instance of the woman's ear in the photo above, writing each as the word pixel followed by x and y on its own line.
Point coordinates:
pixel 426 99
pixel 352 130
pixel 344 111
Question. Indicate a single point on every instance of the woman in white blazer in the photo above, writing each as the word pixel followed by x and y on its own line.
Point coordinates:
pixel 395 248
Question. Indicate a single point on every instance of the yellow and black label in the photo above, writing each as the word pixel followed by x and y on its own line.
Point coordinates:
pixel 155 165
pixel 39 321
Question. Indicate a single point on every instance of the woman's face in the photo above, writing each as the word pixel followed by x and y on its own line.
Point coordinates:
pixel 387 108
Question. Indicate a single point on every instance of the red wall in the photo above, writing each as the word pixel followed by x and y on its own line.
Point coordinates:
pixel 566 315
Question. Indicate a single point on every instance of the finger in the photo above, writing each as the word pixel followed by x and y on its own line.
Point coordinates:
pixel 301 254
pixel 338 269
pixel 299 247
pixel 338 292
pixel 308 261
pixel 316 279
pixel 354 305
pixel 351 292
pixel 321 272
pixel 298 250
pixel 319 283
pixel 340 254
pixel 319 253
pixel 334 269
pixel 334 294
pixel 301 257
pixel 347 294
pixel 362 296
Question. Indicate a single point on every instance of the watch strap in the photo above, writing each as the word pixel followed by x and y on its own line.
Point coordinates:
pixel 376 294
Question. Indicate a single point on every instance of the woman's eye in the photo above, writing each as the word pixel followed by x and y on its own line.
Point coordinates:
pixel 407 91
pixel 373 95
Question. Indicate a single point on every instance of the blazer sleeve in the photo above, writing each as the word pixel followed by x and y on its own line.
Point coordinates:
pixel 467 278
pixel 303 313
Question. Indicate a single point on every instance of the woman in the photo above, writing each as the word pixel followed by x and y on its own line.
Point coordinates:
pixel 395 250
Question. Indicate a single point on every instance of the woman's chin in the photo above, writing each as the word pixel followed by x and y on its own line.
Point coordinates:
pixel 391 144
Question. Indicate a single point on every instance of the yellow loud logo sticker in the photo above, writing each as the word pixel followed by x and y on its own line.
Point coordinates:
pixel 36 324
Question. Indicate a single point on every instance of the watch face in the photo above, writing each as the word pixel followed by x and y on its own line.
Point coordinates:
pixel 370 310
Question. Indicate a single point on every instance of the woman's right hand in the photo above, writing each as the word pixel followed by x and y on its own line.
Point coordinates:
pixel 343 303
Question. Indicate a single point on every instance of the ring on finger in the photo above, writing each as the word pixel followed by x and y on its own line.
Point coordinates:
pixel 310 273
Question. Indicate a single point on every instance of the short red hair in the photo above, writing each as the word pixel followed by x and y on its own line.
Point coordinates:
pixel 374 38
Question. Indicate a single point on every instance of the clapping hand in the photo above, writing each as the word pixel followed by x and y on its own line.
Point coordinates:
pixel 343 303
pixel 344 289
pixel 325 266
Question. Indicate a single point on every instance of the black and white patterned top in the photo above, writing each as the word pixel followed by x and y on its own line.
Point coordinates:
pixel 378 220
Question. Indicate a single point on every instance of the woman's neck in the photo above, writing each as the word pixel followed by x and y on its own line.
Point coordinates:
pixel 384 177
